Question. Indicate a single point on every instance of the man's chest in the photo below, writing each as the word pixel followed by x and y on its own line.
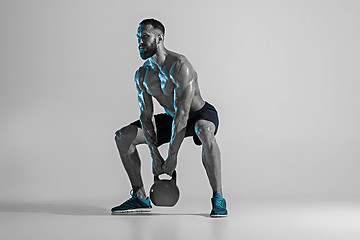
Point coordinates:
pixel 158 83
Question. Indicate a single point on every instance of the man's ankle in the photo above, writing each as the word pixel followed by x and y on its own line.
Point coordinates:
pixel 140 192
pixel 142 195
pixel 219 192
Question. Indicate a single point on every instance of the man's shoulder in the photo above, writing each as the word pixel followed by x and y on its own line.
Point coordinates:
pixel 181 68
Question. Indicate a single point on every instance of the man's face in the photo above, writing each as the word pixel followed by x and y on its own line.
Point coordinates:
pixel 147 41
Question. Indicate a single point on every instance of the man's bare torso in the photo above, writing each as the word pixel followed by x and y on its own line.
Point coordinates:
pixel 158 82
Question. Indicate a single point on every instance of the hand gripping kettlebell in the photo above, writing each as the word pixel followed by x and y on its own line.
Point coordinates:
pixel 164 192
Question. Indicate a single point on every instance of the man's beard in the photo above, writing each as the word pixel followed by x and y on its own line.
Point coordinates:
pixel 148 51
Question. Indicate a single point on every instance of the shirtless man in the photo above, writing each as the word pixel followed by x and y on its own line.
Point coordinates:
pixel 170 79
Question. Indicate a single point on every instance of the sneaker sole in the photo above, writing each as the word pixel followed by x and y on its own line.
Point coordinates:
pixel 218 216
pixel 138 210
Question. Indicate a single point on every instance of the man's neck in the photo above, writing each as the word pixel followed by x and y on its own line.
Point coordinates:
pixel 160 57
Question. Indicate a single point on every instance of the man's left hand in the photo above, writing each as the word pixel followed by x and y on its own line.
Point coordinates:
pixel 170 164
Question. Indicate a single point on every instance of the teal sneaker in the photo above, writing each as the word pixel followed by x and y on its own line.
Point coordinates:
pixel 219 206
pixel 134 204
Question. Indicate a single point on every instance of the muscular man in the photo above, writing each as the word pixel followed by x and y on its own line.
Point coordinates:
pixel 170 79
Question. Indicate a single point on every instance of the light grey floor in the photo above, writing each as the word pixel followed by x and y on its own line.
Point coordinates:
pixel 247 220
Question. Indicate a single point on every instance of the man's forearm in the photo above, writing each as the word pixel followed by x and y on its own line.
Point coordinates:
pixel 149 133
pixel 178 133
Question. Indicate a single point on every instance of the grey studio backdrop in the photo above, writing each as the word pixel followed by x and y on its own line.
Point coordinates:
pixel 283 75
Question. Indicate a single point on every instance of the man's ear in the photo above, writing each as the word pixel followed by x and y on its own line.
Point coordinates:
pixel 160 38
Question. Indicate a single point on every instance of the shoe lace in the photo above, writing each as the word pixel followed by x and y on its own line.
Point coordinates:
pixel 218 202
pixel 132 193
pixel 133 196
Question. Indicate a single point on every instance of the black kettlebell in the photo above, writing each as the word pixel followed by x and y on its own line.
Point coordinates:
pixel 164 192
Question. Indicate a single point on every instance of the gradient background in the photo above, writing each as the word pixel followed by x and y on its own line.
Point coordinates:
pixel 284 76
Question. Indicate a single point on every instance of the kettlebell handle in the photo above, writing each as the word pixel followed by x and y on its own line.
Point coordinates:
pixel 173 177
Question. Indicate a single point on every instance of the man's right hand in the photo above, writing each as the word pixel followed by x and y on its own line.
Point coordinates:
pixel 157 163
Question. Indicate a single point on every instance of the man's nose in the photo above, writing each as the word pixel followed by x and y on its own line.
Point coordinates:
pixel 140 41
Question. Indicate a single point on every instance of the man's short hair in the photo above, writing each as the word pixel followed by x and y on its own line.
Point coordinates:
pixel 154 23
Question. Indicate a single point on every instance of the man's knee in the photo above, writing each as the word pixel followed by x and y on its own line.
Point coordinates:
pixel 205 131
pixel 125 136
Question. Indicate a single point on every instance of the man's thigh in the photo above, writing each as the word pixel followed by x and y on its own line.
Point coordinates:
pixel 203 118
pixel 131 134
pixel 140 137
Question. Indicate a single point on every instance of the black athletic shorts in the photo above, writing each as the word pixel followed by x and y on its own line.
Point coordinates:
pixel 164 123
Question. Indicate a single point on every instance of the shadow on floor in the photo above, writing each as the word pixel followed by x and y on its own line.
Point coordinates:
pixel 161 214
pixel 53 208
pixel 81 210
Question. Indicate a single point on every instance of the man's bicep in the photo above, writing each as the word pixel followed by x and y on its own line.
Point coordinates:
pixel 144 98
pixel 145 103
pixel 184 90
pixel 183 98
pixel 184 93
